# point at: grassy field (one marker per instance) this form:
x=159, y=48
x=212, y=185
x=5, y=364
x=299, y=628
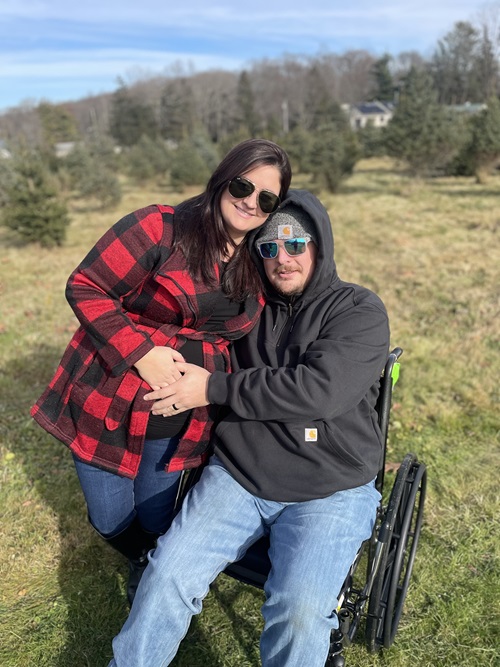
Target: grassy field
x=432, y=251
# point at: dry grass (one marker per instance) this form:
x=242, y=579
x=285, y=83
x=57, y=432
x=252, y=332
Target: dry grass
x=432, y=251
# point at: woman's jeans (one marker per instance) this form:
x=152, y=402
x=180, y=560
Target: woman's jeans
x=113, y=501
x=313, y=545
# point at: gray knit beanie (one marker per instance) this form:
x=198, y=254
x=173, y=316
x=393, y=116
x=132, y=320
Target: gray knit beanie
x=289, y=222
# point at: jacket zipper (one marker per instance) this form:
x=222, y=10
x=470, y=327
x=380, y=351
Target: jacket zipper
x=289, y=316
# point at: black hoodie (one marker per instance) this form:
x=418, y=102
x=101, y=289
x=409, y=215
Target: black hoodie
x=302, y=423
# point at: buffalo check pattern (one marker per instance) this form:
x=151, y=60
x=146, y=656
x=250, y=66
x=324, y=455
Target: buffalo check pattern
x=130, y=293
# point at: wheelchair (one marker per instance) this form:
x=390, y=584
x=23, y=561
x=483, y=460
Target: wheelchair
x=376, y=586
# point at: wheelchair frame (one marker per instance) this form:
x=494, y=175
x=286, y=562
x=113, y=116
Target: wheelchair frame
x=390, y=551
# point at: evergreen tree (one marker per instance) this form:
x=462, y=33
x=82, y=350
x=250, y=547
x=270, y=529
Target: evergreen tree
x=102, y=148
x=461, y=163
x=483, y=149
x=421, y=131
x=100, y=184
x=146, y=160
x=130, y=118
x=7, y=178
x=187, y=166
x=384, y=84
x=232, y=138
x=207, y=149
x=335, y=151
x=486, y=67
x=91, y=174
x=177, y=110
x=58, y=124
x=319, y=105
x=371, y=140
x=75, y=165
x=454, y=63
x=34, y=210
x=298, y=143
x=245, y=100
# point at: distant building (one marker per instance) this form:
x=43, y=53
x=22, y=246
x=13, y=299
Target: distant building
x=378, y=114
x=468, y=107
x=64, y=148
x=374, y=113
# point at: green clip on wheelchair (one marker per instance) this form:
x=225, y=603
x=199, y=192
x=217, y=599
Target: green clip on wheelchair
x=386, y=559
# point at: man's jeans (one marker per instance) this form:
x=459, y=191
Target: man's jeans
x=313, y=544
x=114, y=501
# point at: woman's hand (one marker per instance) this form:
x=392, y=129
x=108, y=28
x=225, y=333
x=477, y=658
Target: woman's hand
x=187, y=393
x=158, y=366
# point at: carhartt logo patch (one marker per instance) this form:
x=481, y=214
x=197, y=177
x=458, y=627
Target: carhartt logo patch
x=285, y=232
x=311, y=435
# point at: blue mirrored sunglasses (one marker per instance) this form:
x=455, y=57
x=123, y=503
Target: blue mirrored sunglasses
x=293, y=247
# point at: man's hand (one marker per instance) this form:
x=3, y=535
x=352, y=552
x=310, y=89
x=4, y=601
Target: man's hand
x=158, y=366
x=187, y=393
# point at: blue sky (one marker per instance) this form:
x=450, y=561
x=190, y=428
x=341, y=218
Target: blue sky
x=59, y=50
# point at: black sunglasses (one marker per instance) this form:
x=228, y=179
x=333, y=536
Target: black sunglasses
x=293, y=247
x=240, y=187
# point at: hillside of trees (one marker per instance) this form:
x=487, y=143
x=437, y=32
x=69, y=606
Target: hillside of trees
x=176, y=127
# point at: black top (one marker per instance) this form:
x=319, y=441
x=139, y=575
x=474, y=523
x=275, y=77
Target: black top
x=192, y=351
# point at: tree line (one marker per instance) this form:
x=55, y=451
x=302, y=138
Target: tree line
x=176, y=128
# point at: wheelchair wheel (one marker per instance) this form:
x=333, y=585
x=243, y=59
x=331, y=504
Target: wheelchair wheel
x=400, y=532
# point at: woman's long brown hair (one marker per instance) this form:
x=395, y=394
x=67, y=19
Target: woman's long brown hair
x=199, y=227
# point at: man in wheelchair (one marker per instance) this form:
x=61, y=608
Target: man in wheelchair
x=295, y=456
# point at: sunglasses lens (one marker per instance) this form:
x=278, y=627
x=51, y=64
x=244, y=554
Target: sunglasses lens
x=295, y=246
x=240, y=188
x=268, y=250
x=268, y=201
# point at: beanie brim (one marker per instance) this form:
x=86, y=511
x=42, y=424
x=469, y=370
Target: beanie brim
x=289, y=222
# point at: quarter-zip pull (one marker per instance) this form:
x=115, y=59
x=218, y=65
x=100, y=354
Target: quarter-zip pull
x=289, y=317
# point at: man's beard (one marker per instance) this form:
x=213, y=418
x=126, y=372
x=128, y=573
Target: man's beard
x=297, y=291
x=294, y=291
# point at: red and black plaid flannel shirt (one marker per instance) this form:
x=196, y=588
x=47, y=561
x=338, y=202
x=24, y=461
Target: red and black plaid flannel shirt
x=131, y=293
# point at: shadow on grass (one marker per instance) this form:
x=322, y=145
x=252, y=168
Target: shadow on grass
x=473, y=191
x=90, y=575
x=11, y=240
x=240, y=602
x=228, y=630
x=388, y=189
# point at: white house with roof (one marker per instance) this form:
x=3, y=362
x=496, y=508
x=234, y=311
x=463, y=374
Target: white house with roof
x=375, y=113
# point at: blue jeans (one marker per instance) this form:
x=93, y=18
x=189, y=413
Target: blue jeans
x=113, y=501
x=313, y=544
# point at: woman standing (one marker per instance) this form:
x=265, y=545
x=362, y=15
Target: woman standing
x=163, y=284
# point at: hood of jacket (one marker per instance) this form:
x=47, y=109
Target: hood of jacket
x=325, y=272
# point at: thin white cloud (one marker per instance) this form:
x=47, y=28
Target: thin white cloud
x=55, y=40
x=317, y=17
x=157, y=10
x=103, y=63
